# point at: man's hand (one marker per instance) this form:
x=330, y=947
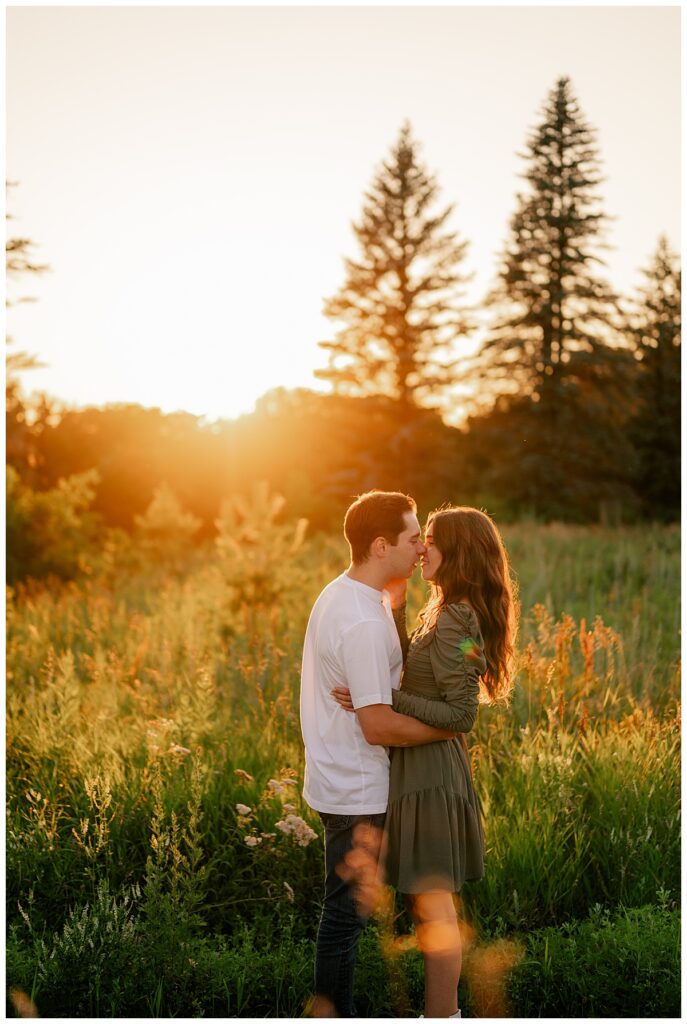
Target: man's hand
x=397, y=590
x=342, y=696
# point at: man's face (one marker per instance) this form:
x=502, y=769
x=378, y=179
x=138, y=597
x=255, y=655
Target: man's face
x=406, y=553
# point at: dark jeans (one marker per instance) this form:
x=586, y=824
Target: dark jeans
x=340, y=924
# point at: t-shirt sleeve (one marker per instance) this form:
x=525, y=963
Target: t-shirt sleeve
x=365, y=659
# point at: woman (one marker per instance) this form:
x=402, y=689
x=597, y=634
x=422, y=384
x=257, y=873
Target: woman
x=464, y=644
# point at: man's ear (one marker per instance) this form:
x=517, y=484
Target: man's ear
x=378, y=547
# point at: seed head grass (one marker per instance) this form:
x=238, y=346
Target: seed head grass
x=155, y=761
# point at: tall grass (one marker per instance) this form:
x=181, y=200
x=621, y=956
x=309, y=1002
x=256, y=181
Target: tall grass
x=143, y=709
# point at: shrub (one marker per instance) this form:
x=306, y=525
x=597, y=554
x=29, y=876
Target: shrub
x=107, y=961
x=256, y=549
x=81, y=970
x=50, y=532
x=626, y=966
x=165, y=530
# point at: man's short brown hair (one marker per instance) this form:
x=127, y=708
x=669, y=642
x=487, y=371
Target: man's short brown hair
x=375, y=514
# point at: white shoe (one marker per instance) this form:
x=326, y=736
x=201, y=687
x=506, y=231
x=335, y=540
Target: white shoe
x=456, y=1014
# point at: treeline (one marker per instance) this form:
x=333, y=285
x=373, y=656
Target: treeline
x=573, y=392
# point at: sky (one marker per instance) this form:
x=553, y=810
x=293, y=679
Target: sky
x=190, y=174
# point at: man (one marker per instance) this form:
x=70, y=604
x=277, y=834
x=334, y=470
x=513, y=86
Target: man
x=351, y=640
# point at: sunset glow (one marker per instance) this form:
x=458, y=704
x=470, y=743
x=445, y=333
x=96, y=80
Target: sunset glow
x=194, y=202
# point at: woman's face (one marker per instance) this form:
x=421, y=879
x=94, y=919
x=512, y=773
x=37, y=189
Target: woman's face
x=431, y=560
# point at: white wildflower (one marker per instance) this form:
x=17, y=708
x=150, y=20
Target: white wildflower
x=299, y=829
x=243, y=809
x=176, y=749
x=243, y=776
x=289, y=807
x=276, y=786
x=252, y=840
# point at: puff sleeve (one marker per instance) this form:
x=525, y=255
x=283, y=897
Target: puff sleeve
x=457, y=661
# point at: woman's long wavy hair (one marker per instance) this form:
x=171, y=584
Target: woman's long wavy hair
x=474, y=568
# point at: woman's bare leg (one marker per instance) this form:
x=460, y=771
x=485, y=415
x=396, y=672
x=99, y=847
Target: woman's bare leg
x=438, y=937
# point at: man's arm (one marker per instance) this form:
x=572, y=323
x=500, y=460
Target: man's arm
x=383, y=726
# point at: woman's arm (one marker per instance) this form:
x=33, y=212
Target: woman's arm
x=457, y=663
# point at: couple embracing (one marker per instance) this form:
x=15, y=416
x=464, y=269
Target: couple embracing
x=383, y=719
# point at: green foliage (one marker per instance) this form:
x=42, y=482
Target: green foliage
x=574, y=465
x=626, y=576
x=175, y=872
x=103, y=964
x=655, y=326
x=603, y=800
x=105, y=936
x=550, y=311
x=50, y=532
x=153, y=741
x=625, y=965
x=555, y=440
x=135, y=450
x=352, y=444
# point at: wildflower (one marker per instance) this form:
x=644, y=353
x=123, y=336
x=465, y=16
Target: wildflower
x=252, y=840
x=176, y=749
x=295, y=826
x=278, y=785
x=242, y=809
x=289, y=807
x=243, y=776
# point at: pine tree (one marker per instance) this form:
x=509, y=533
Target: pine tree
x=553, y=314
x=21, y=434
x=655, y=329
x=400, y=301
x=549, y=345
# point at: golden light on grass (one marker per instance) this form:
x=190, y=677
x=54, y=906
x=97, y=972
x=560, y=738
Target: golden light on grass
x=361, y=868
x=320, y=1006
x=22, y=1004
x=486, y=971
x=142, y=667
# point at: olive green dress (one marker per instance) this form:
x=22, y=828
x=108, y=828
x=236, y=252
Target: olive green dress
x=433, y=822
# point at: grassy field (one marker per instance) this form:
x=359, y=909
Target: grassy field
x=161, y=861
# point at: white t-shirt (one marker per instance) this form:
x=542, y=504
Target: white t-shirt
x=351, y=640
